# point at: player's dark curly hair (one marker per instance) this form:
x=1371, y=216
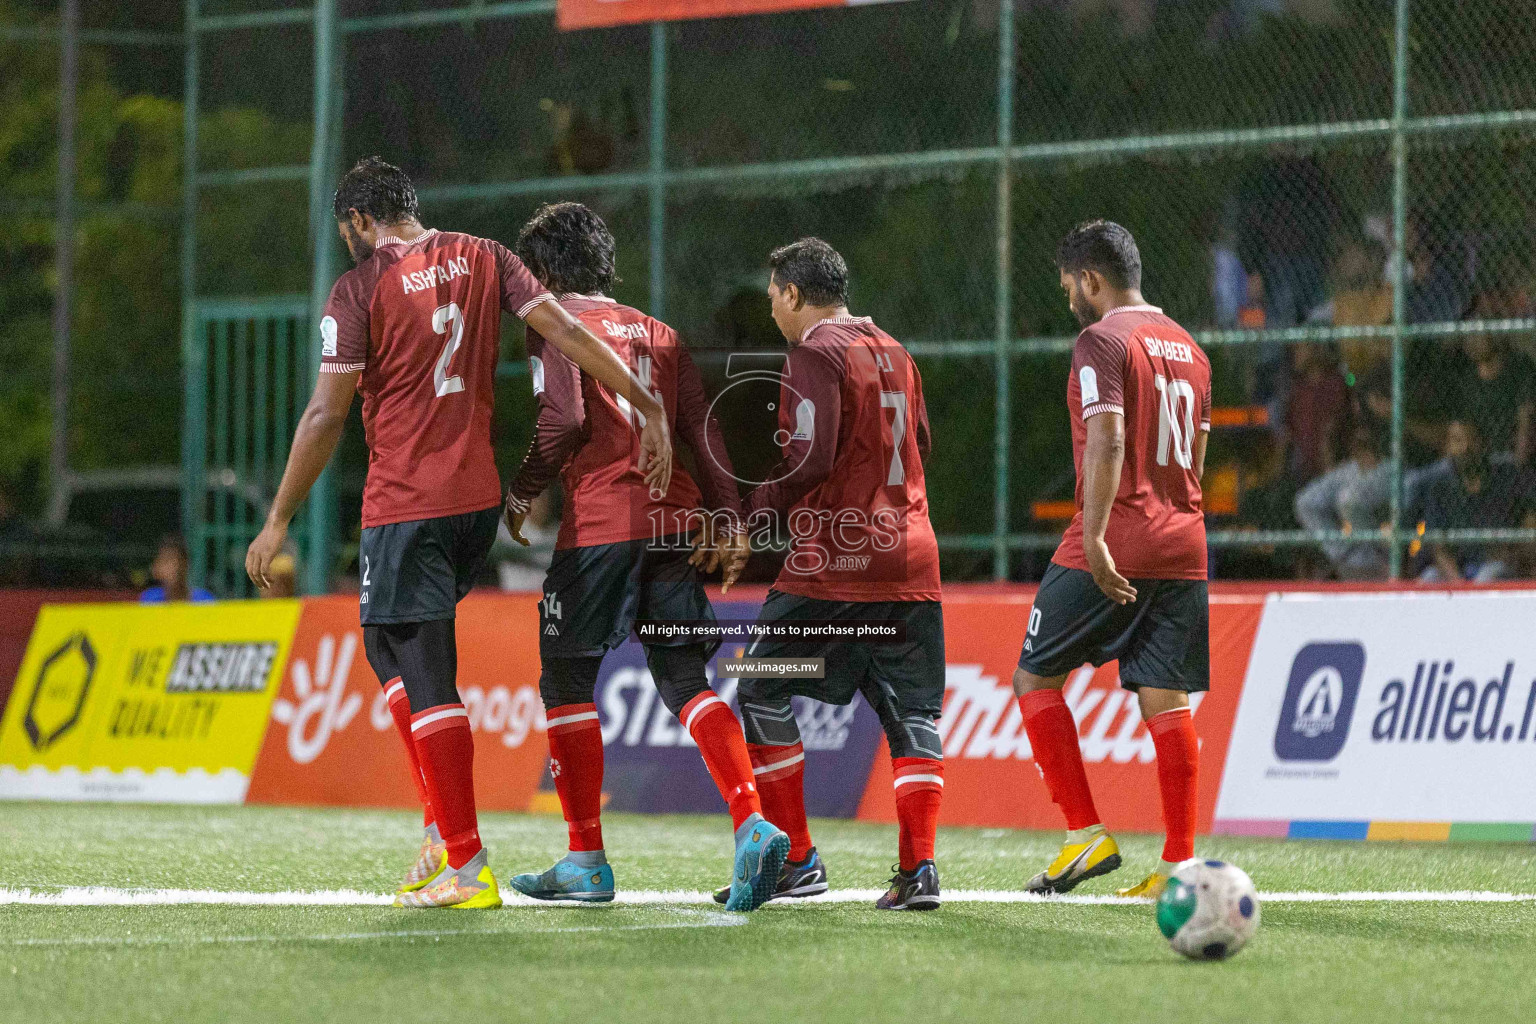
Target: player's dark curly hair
x=381, y=190
x=1104, y=246
x=569, y=249
x=815, y=268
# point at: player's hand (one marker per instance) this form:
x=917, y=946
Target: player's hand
x=1102, y=564
x=258, y=557
x=656, y=455
x=515, y=522
x=734, y=549
x=706, y=551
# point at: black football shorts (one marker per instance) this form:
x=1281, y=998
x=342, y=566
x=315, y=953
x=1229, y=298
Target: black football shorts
x=1162, y=639
x=417, y=571
x=913, y=669
x=595, y=595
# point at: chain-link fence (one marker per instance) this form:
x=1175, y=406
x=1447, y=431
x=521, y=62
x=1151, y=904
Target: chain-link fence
x=1335, y=196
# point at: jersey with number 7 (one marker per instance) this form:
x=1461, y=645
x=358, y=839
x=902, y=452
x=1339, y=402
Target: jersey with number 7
x=1140, y=364
x=853, y=433
x=422, y=321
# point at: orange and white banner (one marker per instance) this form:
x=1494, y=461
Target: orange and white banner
x=990, y=778
x=575, y=14
x=332, y=740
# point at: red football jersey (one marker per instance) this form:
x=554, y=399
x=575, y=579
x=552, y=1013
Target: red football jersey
x=422, y=321
x=1138, y=362
x=850, y=486
x=591, y=436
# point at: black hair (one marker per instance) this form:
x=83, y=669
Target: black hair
x=1104, y=246
x=815, y=268
x=380, y=190
x=569, y=249
x=174, y=542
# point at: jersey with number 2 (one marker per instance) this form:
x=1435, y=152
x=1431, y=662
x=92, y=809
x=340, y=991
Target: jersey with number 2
x=422, y=322
x=1141, y=364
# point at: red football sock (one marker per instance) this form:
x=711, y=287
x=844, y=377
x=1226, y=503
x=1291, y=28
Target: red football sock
x=714, y=728
x=400, y=710
x=1178, y=767
x=919, y=790
x=780, y=774
x=1053, y=737
x=576, y=762
x=446, y=749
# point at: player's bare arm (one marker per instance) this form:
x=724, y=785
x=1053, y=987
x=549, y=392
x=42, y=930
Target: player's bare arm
x=1201, y=437
x=1103, y=457
x=583, y=348
x=314, y=441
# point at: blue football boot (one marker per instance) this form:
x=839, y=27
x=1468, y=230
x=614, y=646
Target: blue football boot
x=568, y=880
x=760, y=852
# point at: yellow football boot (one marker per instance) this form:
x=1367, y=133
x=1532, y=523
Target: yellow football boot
x=1149, y=888
x=1079, y=860
x=471, y=887
x=430, y=862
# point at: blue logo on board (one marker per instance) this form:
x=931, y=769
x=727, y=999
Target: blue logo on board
x=1319, y=702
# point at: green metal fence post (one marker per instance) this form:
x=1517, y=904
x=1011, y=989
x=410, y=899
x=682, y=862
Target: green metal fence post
x=1001, y=362
x=1400, y=276
x=658, y=169
x=193, y=351
x=322, y=233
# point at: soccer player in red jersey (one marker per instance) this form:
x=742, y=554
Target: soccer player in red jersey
x=416, y=327
x=850, y=489
x=623, y=556
x=1128, y=581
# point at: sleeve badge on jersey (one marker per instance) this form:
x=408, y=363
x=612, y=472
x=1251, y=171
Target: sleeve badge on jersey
x=805, y=421
x=536, y=371
x=328, y=337
x=1088, y=380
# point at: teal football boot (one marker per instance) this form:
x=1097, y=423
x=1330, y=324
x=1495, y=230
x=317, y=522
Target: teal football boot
x=569, y=880
x=760, y=852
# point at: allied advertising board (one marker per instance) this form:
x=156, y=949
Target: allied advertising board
x=1399, y=714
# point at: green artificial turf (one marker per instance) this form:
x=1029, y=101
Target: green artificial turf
x=682, y=961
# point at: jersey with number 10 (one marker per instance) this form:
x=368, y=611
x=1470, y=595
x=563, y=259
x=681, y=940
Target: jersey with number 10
x=422, y=321
x=1139, y=363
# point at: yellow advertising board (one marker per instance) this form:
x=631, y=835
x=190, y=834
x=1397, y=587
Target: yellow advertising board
x=164, y=703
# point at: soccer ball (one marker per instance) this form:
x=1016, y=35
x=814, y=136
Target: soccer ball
x=1209, y=909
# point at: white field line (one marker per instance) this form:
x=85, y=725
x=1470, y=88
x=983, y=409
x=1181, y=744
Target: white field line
x=703, y=920
x=101, y=896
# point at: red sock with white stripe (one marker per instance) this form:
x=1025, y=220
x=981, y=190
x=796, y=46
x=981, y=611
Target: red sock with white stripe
x=919, y=791
x=1053, y=737
x=446, y=749
x=400, y=711
x=713, y=726
x=576, y=762
x=780, y=777
x=1178, y=767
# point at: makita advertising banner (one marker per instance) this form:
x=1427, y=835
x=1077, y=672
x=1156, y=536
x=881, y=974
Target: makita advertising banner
x=1368, y=714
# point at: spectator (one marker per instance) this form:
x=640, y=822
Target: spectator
x=1498, y=395
x=1288, y=213
x=1498, y=384
x=1362, y=298
x=1354, y=496
x=170, y=570
x=1315, y=415
x=1473, y=492
x=1437, y=291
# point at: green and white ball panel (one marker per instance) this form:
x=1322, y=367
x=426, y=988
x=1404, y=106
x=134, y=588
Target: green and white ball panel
x=1209, y=910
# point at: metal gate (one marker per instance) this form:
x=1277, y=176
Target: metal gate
x=249, y=375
